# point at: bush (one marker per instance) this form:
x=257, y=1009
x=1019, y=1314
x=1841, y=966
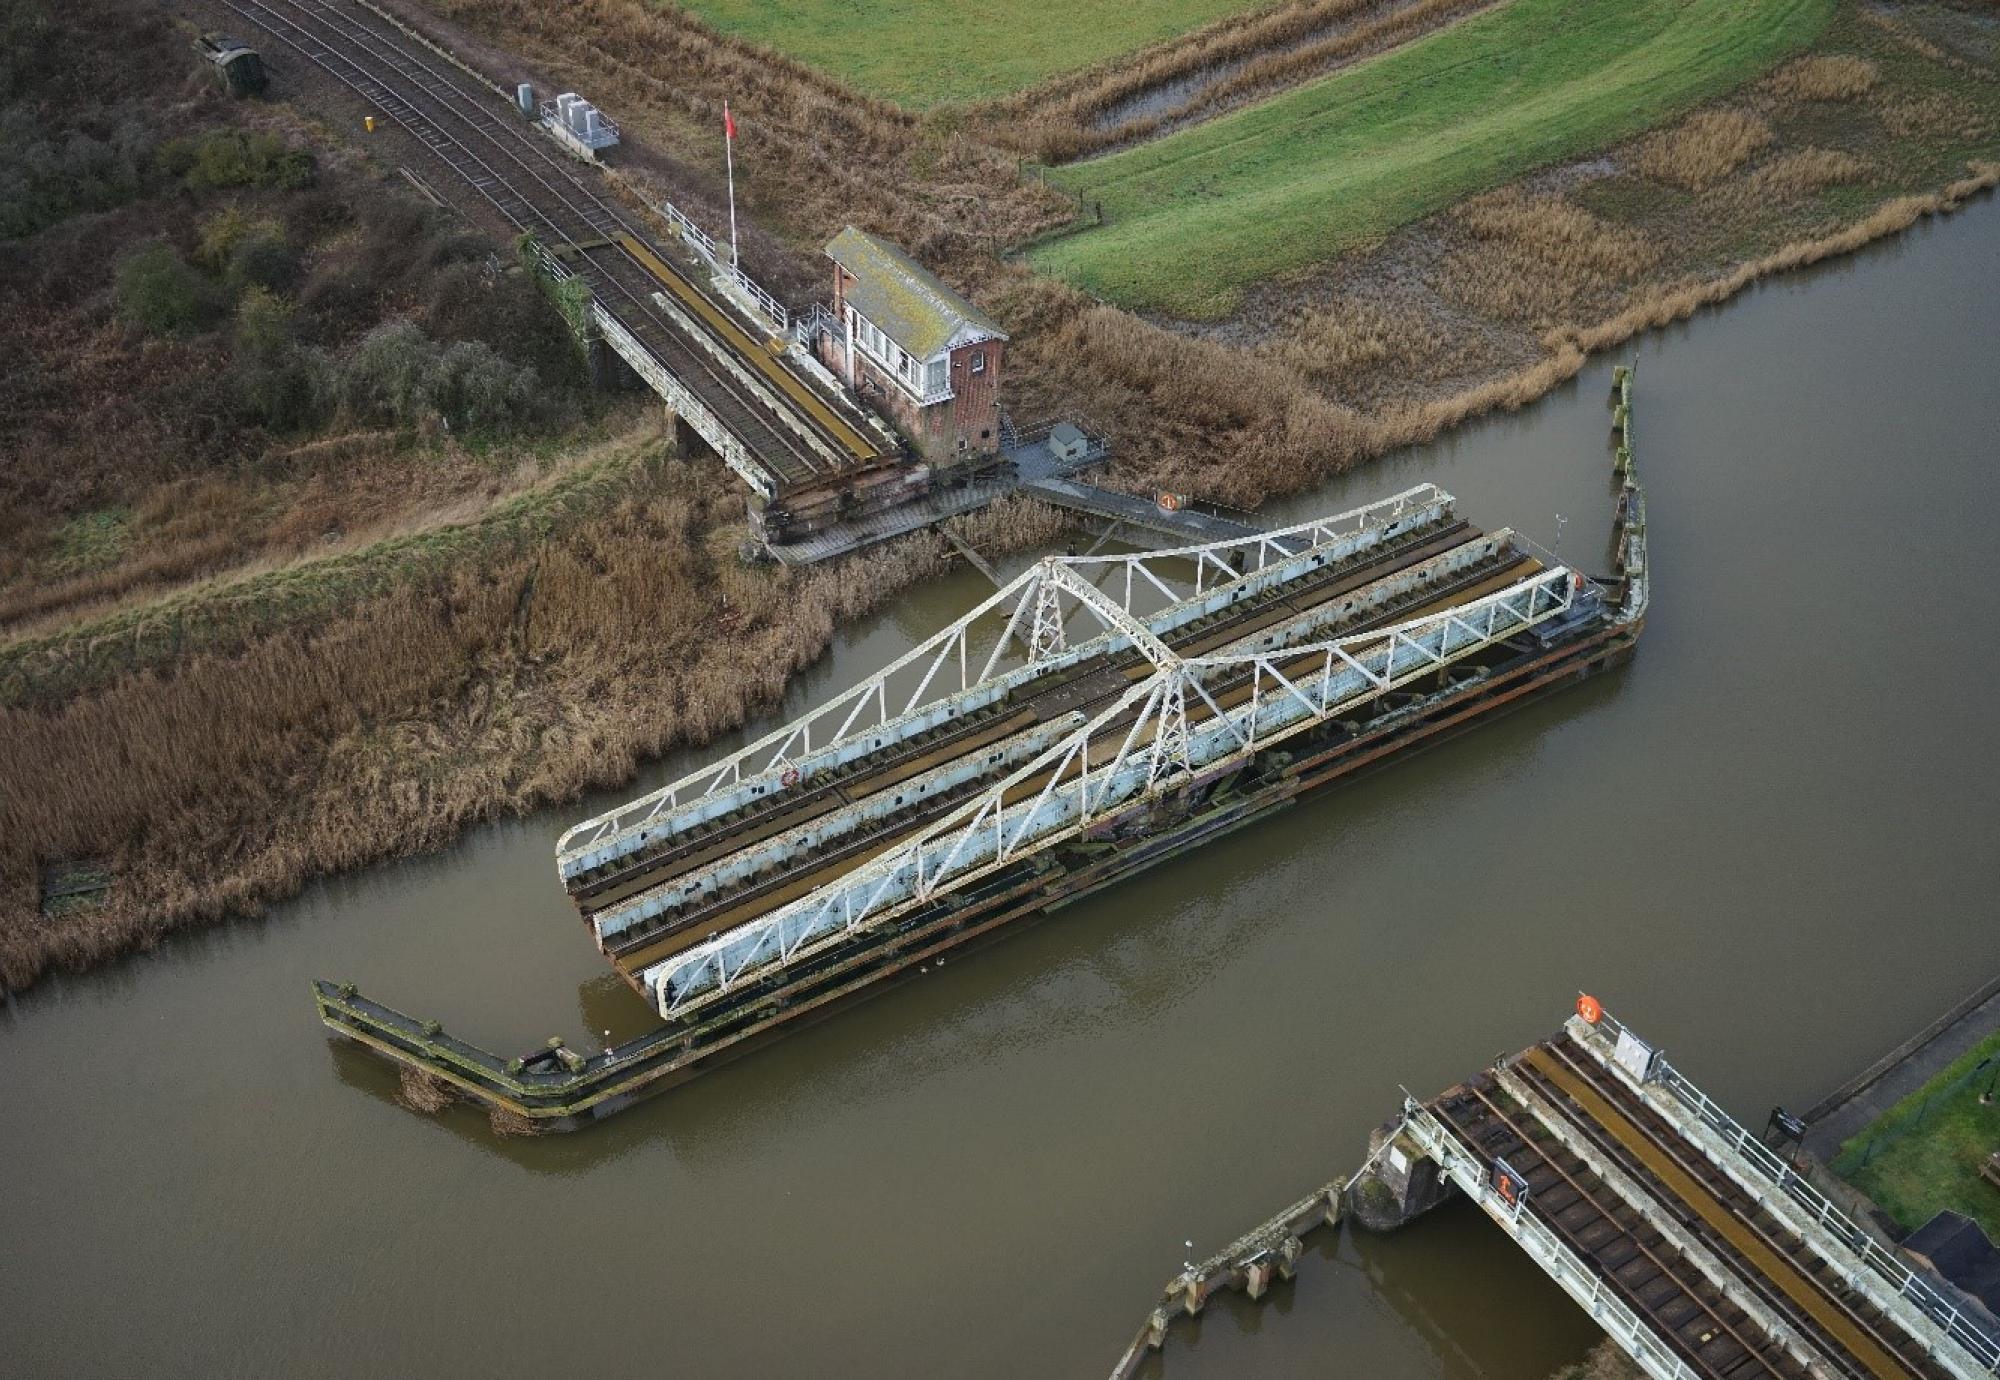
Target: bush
x=47, y=176
x=398, y=374
x=162, y=294
x=247, y=253
x=222, y=158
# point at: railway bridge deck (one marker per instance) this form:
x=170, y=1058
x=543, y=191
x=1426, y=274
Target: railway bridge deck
x=1702, y=1252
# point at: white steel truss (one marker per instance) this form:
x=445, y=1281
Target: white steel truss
x=1145, y=744
x=1021, y=632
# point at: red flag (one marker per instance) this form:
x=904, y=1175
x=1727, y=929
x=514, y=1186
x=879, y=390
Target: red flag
x=728, y=122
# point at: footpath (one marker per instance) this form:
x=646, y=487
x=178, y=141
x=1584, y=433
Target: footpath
x=1900, y=1072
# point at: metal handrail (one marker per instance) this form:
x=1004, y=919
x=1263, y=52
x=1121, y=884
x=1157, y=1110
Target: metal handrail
x=1561, y=1264
x=1909, y=1283
x=704, y=244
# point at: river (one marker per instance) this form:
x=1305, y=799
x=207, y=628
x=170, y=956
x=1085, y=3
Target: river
x=1768, y=844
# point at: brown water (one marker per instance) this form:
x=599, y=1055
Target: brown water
x=1768, y=844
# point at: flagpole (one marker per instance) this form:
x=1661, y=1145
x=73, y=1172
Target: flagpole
x=729, y=155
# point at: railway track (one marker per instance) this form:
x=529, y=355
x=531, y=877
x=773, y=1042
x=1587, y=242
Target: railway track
x=706, y=913
x=524, y=180
x=1511, y=1117
x=593, y=891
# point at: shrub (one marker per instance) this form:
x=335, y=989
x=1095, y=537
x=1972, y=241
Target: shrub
x=263, y=259
x=162, y=294
x=400, y=375
x=222, y=158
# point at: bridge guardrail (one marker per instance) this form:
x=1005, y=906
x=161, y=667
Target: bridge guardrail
x=1982, y=1348
x=1561, y=1264
x=704, y=244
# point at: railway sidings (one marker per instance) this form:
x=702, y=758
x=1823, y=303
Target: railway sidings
x=1093, y=717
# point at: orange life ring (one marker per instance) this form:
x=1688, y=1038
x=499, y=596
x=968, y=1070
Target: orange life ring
x=1170, y=503
x=791, y=776
x=1590, y=1008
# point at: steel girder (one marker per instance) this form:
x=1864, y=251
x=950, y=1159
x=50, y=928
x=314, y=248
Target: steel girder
x=1138, y=749
x=994, y=650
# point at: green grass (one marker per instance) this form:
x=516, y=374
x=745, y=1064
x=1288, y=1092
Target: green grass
x=931, y=52
x=1195, y=218
x=92, y=541
x=1924, y=1153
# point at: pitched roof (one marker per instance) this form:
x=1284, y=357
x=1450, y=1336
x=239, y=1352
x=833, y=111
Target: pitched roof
x=905, y=300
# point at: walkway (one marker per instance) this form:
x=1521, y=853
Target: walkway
x=1855, y=1105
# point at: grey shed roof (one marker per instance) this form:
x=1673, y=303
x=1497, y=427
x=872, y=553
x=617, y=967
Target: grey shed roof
x=905, y=300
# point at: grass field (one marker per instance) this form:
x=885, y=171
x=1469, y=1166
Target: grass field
x=1924, y=1153
x=1193, y=219
x=929, y=52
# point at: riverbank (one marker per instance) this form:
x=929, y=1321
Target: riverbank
x=209, y=776
x=1848, y=1110
x=947, y=1180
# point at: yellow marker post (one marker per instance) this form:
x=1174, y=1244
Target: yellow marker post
x=368, y=123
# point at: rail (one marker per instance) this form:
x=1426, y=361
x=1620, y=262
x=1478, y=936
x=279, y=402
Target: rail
x=867, y=716
x=704, y=244
x=1772, y=1167
x=1465, y=1169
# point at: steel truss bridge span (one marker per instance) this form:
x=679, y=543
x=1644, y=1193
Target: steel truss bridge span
x=1152, y=740
x=1088, y=699
x=963, y=670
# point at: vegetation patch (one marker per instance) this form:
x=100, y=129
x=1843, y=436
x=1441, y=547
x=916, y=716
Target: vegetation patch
x=1195, y=218
x=1924, y=1154
x=928, y=52
x=1216, y=68
x=1704, y=148
x=1824, y=77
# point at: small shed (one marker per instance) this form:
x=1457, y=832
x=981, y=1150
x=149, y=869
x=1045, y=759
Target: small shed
x=924, y=354
x=1955, y=1247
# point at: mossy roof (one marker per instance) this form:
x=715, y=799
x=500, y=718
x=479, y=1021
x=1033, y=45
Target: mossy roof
x=905, y=300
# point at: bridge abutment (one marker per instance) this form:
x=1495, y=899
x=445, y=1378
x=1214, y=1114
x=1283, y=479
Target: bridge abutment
x=1401, y=1182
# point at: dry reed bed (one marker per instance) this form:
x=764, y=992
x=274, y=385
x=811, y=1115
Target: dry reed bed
x=1704, y=148
x=221, y=782
x=1823, y=77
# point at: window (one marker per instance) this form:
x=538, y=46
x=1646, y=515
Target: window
x=938, y=374
x=979, y=361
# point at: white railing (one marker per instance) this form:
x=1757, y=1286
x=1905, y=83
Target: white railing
x=1544, y=1247
x=704, y=244
x=1142, y=744
x=959, y=670
x=816, y=319
x=1982, y=1348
